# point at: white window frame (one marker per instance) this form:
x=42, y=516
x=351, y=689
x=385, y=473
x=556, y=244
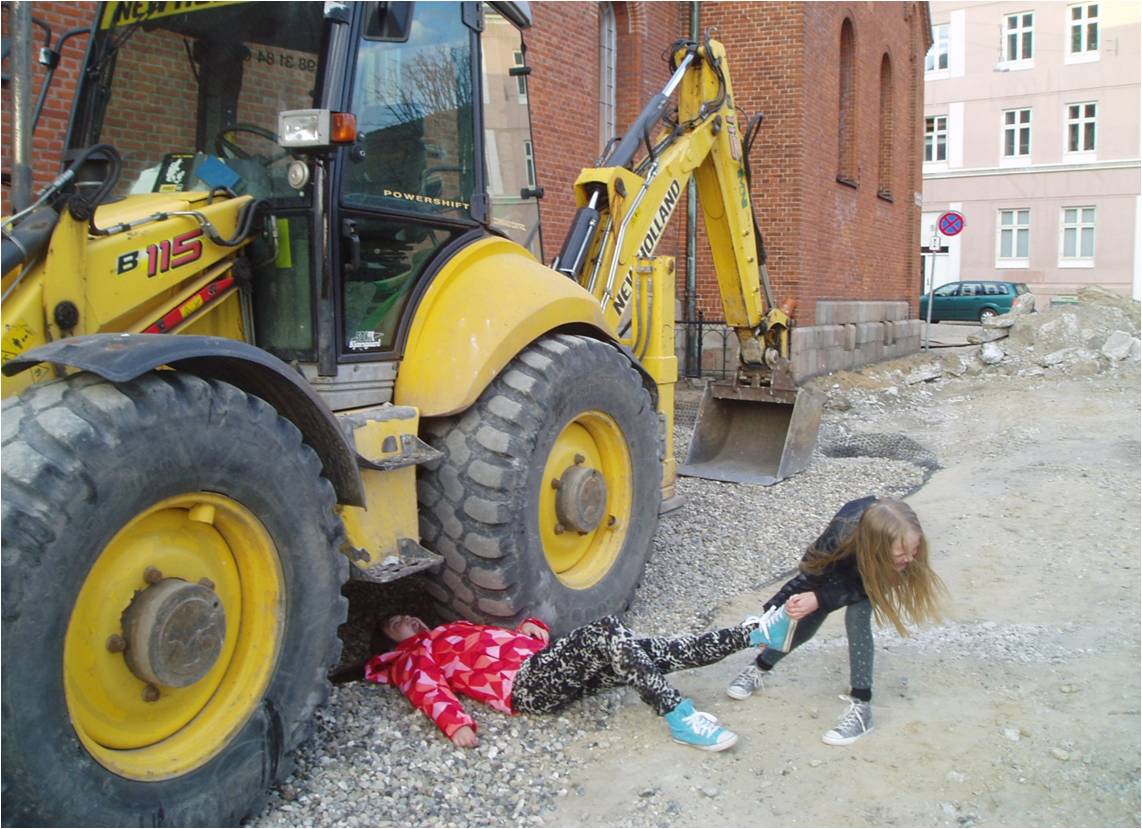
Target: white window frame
x=1080, y=224
x=608, y=83
x=529, y=160
x=1081, y=121
x=520, y=80
x=495, y=173
x=941, y=36
x=935, y=135
x=1020, y=29
x=1086, y=54
x=1016, y=126
x=1013, y=260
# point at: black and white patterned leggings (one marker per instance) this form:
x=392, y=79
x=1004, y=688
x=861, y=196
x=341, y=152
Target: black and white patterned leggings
x=606, y=654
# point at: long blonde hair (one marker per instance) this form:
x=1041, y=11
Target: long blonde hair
x=913, y=594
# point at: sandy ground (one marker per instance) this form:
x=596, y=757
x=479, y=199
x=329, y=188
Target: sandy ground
x=1021, y=710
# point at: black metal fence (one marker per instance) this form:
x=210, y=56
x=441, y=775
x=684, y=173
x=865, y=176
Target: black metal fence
x=708, y=348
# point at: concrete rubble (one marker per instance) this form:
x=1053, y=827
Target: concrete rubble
x=1098, y=333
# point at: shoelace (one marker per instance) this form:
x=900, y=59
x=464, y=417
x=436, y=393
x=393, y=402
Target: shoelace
x=701, y=723
x=750, y=676
x=851, y=718
x=765, y=621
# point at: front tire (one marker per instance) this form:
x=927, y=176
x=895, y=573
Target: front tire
x=171, y=578
x=568, y=412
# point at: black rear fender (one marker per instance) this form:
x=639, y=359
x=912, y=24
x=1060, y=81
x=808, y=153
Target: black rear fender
x=119, y=358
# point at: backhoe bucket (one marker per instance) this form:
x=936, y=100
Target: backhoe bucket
x=753, y=435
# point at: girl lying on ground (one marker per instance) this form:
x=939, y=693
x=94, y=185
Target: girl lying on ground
x=521, y=671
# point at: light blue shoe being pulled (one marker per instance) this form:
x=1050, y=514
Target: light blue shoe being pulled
x=698, y=729
x=774, y=629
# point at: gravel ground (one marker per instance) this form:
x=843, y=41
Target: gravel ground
x=375, y=761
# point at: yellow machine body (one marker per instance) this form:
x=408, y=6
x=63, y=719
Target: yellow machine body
x=128, y=281
x=464, y=331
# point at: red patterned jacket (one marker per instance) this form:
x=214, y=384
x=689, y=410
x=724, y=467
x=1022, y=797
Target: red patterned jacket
x=478, y=661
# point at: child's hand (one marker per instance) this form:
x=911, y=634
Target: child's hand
x=465, y=737
x=801, y=605
x=532, y=629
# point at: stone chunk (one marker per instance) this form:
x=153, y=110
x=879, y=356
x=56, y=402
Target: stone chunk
x=1117, y=345
x=991, y=353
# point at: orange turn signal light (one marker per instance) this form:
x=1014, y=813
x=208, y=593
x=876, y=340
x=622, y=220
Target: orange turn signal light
x=344, y=128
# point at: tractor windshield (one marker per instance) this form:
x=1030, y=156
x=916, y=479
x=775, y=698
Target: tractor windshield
x=189, y=93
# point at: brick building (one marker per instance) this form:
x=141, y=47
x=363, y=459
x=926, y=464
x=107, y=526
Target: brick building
x=837, y=162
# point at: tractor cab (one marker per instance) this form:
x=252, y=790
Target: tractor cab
x=435, y=148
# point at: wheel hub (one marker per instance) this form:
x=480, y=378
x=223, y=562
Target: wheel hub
x=174, y=632
x=581, y=502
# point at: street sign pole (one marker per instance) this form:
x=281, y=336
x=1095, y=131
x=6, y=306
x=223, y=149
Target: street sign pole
x=933, y=248
x=950, y=223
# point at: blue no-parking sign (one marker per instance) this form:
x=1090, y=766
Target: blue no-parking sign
x=951, y=223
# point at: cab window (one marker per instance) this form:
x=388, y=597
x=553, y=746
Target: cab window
x=413, y=102
x=391, y=258
x=512, y=185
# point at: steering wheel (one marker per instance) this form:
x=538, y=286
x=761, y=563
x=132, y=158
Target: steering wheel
x=227, y=149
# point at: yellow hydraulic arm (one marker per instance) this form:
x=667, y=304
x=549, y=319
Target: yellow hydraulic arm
x=757, y=427
x=624, y=208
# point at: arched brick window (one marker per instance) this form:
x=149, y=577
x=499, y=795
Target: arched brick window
x=608, y=86
x=846, y=115
x=884, y=165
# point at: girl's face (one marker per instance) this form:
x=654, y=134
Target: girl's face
x=904, y=549
x=398, y=628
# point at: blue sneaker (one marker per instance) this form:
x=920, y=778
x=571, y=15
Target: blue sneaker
x=698, y=729
x=774, y=629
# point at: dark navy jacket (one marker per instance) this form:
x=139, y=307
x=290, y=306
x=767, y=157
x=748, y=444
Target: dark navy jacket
x=840, y=585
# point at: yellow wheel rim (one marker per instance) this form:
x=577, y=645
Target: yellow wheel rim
x=190, y=537
x=592, y=440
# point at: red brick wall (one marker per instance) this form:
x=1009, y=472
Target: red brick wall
x=563, y=49
x=47, y=146
x=826, y=240
x=859, y=245
x=765, y=55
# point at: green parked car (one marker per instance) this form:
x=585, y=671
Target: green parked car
x=975, y=300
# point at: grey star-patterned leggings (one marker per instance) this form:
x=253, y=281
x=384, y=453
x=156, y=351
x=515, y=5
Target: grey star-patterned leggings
x=607, y=654
x=858, y=628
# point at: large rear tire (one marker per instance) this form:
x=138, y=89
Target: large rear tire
x=546, y=501
x=171, y=597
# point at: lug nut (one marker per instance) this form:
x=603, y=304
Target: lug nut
x=150, y=693
x=579, y=459
x=560, y=529
x=612, y=521
x=207, y=583
x=556, y=483
x=116, y=643
x=152, y=575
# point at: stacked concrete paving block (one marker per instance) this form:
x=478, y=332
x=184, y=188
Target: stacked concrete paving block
x=848, y=334
x=852, y=333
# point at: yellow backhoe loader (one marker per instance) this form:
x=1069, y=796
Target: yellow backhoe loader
x=282, y=317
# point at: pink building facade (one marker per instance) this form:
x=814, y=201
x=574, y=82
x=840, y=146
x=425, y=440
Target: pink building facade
x=1031, y=131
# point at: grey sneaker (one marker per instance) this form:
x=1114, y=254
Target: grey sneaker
x=752, y=678
x=855, y=723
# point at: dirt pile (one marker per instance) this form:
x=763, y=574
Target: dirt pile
x=1091, y=336
x=1097, y=334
